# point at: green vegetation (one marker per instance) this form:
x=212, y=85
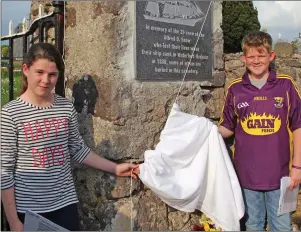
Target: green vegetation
x=4, y=50
x=18, y=64
x=5, y=86
x=239, y=17
x=5, y=82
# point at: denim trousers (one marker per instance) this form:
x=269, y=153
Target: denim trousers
x=262, y=204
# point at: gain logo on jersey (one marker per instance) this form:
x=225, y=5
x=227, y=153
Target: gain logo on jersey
x=261, y=124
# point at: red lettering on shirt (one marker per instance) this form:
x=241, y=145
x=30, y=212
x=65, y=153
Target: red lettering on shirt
x=47, y=126
x=36, y=158
x=52, y=150
x=45, y=156
x=27, y=131
x=57, y=156
x=38, y=130
x=61, y=162
x=56, y=124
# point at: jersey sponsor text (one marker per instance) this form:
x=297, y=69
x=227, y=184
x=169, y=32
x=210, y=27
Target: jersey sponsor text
x=261, y=124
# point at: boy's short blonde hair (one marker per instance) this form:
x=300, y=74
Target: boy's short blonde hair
x=257, y=39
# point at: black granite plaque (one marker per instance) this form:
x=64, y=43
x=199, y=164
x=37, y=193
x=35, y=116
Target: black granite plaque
x=166, y=34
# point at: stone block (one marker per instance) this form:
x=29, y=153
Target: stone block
x=112, y=187
x=219, y=78
x=151, y=213
x=214, y=103
x=293, y=63
x=283, y=49
x=177, y=220
x=233, y=64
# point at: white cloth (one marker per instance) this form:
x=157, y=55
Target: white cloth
x=190, y=169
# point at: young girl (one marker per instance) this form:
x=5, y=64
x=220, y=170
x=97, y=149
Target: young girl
x=39, y=137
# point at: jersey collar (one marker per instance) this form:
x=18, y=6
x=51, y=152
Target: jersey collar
x=246, y=79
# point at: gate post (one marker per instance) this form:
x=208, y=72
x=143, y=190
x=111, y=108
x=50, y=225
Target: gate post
x=11, y=69
x=59, y=42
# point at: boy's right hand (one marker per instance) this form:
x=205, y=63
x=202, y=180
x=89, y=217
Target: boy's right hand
x=16, y=226
x=295, y=175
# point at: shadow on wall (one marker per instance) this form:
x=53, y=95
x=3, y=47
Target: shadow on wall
x=85, y=94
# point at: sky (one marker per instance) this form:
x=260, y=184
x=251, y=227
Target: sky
x=13, y=10
x=282, y=19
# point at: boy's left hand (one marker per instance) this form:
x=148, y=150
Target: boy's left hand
x=295, y=175
x=127, y=169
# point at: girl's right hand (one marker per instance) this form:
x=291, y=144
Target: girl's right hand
x=17, y=226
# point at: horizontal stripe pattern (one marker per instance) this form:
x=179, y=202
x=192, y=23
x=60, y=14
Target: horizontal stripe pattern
x=37, y=145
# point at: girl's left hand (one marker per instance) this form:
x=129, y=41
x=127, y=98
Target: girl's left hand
x=127, y=169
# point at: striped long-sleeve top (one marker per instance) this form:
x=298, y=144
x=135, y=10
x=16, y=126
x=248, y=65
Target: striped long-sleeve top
x=37, y=144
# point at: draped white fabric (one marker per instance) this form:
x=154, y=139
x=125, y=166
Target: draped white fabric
x=190, y=169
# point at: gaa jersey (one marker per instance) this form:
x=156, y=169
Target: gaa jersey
x=262, y=120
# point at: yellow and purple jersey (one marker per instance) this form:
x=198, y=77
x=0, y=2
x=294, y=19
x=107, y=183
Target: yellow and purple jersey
x=263, y=121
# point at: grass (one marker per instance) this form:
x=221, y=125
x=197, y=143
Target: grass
x=5, y=85
x=5, y=82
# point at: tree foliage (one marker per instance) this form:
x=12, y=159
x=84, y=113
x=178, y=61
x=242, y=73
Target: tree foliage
x=239, y=17
x=4, y=50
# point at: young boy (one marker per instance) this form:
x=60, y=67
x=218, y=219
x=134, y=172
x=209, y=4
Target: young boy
x=263, y=110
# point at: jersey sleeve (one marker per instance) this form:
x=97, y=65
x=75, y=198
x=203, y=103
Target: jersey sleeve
x=8, y=149
x=77, y=147
x=295, y=107
x=228, y=116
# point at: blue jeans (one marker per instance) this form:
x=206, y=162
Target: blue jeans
x=260, y=204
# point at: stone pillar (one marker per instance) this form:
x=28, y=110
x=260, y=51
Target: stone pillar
x=121, y=117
